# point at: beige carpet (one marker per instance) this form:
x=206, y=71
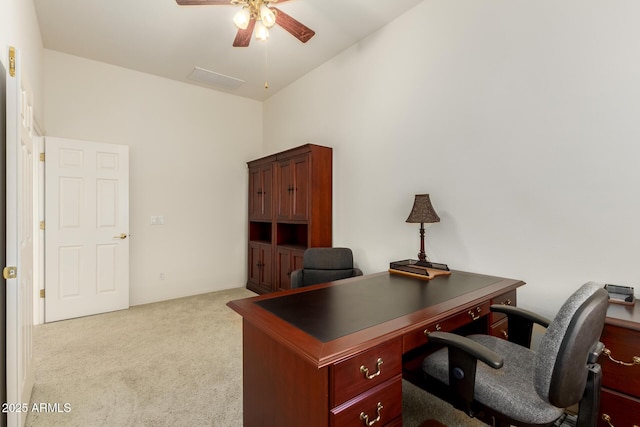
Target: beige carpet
x=173, y=363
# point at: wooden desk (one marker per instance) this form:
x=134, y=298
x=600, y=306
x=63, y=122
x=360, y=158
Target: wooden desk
x=307, y=353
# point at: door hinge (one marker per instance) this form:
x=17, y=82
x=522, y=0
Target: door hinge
x=10, y=272
x=42, y=157
x=41, y=293
x=41, y=225
x=12, y=61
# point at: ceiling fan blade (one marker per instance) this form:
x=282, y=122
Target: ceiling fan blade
x=243, y=37
x=294, y=27
x=203, y=2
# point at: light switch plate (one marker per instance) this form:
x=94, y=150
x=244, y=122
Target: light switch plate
x=157, y=220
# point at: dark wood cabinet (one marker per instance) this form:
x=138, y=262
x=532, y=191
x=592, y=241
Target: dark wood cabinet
x=290, y=210
x=620, y=393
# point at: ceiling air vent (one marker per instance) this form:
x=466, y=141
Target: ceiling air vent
x=214, y=79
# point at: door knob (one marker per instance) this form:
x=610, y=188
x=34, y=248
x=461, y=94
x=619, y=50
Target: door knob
x=121, y=236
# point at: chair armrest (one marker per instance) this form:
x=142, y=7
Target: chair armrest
x=510, y=310
x=296, y=279
x=521, y=323
x=474, y=349
x=463, y=355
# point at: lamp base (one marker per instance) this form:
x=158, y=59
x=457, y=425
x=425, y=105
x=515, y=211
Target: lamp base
x=422, y=263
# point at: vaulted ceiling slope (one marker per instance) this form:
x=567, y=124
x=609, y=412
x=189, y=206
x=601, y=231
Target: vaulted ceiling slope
x=160, y=37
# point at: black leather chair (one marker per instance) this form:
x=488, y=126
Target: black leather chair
x=512, y=384
x=321, y=265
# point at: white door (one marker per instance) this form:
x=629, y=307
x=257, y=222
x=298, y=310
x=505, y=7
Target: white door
x=20, y=225
x=87, y=226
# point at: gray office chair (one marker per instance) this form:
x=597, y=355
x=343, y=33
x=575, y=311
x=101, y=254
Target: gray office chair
x=514, y=385
x=321, y=265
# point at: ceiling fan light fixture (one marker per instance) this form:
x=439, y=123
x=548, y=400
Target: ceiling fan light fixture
x=267, y=16
x=242, y=18
x=262, y=33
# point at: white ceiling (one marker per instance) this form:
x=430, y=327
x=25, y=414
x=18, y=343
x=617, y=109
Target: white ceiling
x=161, y=38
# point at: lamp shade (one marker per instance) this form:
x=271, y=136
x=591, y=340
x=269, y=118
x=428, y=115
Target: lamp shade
x=262, y=33
x=423, y=211
x=242, y=18
x=267, y=16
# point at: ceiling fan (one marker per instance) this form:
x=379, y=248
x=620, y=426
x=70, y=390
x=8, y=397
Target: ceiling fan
x=257, y=13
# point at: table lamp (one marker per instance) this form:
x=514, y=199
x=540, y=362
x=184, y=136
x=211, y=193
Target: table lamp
x=422, y=213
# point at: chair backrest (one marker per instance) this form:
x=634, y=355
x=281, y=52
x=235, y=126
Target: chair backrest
x=561, y=359
x=326, y=264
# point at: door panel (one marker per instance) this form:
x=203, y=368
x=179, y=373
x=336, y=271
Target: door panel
x=3, y=239
x=285, y=188
x=283, y=269
x=300, y=205
x=260, y=192
x=87, y=212
x=19, y=242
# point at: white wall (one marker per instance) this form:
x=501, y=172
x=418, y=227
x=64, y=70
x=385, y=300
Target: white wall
x=521, y=119
x=188, y=151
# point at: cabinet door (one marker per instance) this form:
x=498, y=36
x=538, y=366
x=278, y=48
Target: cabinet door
x=260, y=266
x=283, y=269
x=285, y=189
x=293, y=188
x=287, y=260
x=296, y=259
x=300, y=202
x=266, y=275
x=260, y=187
x=254, y=263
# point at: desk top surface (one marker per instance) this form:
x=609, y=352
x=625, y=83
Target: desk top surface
x=327, y=322
x=333, y=312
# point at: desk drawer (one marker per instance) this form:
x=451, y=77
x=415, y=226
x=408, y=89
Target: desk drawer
x=384, y=401
x=365, y=370
x=621, y=410
x=417, y=337
x=508, y=298
x=500, y=329
x=624, y=345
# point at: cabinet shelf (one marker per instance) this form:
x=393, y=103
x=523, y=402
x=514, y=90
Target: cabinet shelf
x=260, y=231
x=292, y=234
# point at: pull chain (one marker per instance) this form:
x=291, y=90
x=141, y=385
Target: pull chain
x=266, y=67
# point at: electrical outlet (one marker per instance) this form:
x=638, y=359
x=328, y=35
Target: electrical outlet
x=157, y=220
x=162, y=276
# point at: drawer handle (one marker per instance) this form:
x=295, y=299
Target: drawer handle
x=365, y=370
x=607, y=419
x=507, y=302
x=635, y=359
x=473, y=315
x=438, y=328
x=365, y=418
x=505, y=334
